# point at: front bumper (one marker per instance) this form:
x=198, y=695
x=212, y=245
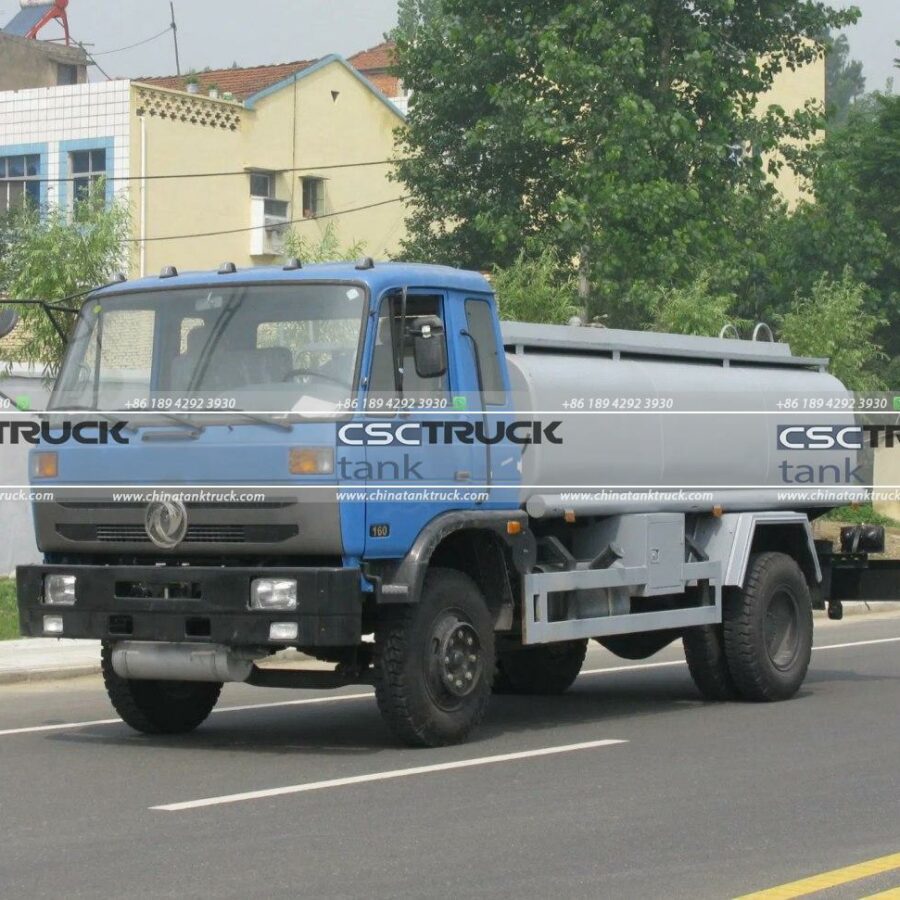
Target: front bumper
x=193, y=603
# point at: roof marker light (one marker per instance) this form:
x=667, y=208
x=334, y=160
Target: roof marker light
x=292, y=264
x=365, y=263
x=168, y=272
x=120, y=277
x=227, y=268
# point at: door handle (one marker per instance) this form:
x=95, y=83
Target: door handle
x=462, y=475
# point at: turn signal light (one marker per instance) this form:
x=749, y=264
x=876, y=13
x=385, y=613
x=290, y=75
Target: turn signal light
x=44, y=465
x=311, y=461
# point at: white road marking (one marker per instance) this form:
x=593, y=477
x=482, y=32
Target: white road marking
x=341, y=697
x=223, y=709
x=383, y=776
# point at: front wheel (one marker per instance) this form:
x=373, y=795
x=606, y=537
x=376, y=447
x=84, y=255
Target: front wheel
x=434, y=661
x=158, y=707
x=768, y=629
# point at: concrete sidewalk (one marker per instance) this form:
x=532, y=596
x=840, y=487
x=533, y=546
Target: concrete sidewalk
x=35, y=659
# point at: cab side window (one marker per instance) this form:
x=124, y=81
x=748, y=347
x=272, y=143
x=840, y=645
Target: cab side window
x=387, y=338
x=480, y=322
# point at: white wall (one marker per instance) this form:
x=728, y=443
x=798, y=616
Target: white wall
x=47, y=118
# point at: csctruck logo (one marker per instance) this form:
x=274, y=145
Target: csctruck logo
x=100, y=433
x=415, y=434
x=820, y=437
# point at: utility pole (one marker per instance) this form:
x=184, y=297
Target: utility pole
x=175, y=37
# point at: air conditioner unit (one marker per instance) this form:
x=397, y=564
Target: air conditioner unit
x=270, y=220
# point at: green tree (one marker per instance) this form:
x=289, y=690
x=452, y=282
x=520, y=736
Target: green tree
x=412, y=15
x=47, y=256
x=695, y=308
x=325, y=248
x=844, y=79
x=626, y=135
x=833, y=321
x=536, y=288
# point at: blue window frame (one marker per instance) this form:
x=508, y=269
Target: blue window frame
x=20, y=181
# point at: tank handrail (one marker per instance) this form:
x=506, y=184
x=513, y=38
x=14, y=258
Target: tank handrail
x=729, y=327
x=762, y=327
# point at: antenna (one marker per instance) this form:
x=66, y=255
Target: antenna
x=175, y=37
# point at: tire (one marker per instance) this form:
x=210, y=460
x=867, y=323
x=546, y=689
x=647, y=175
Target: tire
x=638, y=646
x=704, y=649
x=429, y=689
x=158, y=707
x=548, y=669
x=768, y=629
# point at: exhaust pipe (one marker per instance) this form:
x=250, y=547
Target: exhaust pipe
x=182, y=662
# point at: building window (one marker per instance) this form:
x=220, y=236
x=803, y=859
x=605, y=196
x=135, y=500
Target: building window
x=88, y=171
x=66, y=75
x=313, y=197
x=262, y=184
x=19, y=182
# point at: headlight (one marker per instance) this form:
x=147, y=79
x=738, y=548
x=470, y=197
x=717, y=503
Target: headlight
x=273, y=593
x=59, y=590
x=311, y=461
x=44, y=465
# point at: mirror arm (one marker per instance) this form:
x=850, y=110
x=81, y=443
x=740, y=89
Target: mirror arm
x=49, y=309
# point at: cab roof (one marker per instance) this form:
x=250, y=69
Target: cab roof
x=379, y=277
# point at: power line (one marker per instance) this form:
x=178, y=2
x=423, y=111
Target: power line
x=155, y=37
x=225, y=174
x=204, y=234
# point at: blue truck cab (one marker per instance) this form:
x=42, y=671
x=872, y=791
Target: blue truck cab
x=286, y=464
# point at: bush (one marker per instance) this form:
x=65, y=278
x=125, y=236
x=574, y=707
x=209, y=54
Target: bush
x=833, y=322
x=536, y=288
x=696, y=308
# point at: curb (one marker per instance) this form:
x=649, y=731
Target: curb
x=23, y=676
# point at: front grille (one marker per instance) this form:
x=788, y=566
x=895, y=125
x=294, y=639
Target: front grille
x=196, y=534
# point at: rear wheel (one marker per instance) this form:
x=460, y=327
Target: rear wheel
x=158, y=707
x=768, y=629
x=434, y=661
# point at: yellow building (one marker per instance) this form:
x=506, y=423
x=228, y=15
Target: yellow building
x=216, y=167
x=312, y=140
x=792, y=90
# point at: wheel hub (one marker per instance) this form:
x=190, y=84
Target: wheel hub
x=459, y=660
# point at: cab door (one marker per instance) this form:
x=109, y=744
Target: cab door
x=417, y=465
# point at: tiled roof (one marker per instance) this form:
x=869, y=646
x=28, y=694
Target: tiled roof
x=375, y=64
x=242, y=83
x=379, y=57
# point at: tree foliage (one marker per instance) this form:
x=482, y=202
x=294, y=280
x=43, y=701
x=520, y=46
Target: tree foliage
x=833, y=321
x=617, y=133
x=695, y=308
x=47, y=256
x=325, y=248
x=536, y=288
x=844, y=80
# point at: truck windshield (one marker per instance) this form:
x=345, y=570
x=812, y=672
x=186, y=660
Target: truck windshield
x=275, y=348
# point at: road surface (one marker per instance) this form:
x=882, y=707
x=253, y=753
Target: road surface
x=627, y=786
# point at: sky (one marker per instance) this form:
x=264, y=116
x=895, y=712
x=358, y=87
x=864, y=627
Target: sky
x=217, y=33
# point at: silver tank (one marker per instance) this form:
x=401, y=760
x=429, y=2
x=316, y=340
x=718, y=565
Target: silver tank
x=644, y=412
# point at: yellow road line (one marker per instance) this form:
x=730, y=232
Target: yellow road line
x=827, y=880
x=889, y=894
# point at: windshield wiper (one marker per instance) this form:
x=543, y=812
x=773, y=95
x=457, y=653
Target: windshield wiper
x=263, y=420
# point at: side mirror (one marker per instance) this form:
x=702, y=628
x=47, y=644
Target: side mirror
x=9, y=318
x=429, y=349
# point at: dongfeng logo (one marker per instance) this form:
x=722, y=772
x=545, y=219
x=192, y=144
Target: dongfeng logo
x=166, y=523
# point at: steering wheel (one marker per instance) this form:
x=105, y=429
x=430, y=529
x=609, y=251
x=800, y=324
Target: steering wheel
x=312, y=373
